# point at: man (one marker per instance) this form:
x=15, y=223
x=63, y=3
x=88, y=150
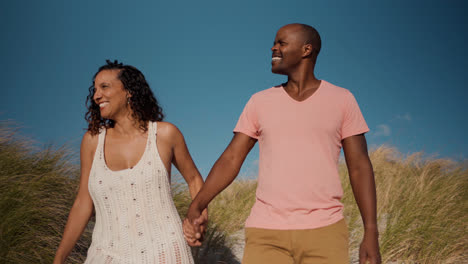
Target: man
x=301, y=127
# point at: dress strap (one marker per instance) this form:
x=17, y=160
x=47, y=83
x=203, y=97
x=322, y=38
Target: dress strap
x=101, y=139
x=155, y=127
x=154, y=136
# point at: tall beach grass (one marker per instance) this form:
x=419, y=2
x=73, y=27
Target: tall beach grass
x=422, y=206
x=37, y=188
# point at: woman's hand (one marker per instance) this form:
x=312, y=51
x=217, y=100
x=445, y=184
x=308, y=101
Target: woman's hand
x=195, y=227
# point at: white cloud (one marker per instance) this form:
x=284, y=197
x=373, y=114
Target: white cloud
x=406, y=117
x=382, y=130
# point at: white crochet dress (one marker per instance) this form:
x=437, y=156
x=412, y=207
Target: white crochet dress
x=136, y=220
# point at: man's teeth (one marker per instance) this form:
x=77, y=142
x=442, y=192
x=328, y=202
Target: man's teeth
x=103, y=104
x=276, y=58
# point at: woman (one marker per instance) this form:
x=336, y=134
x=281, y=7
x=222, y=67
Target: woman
x=126, y=157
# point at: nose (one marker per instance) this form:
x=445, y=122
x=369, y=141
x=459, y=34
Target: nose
x=275, y=47
x=97, y=95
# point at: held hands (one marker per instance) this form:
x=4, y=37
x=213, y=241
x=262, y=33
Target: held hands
x=369, y=250
x=194, y=226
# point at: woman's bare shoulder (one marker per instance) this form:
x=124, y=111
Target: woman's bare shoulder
x=89, y=142
x=167, y=129
x=169, y=132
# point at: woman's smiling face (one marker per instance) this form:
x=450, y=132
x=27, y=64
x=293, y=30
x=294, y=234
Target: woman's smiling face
x=110, y=94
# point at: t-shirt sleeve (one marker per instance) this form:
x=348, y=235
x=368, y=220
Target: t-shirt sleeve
x=247, y=123
x=353, y=121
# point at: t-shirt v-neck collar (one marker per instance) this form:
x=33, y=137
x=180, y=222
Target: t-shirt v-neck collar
x=320, y=87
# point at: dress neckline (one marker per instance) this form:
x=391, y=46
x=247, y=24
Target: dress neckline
x=139, y=161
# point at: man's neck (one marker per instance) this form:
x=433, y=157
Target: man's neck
x=301, y=82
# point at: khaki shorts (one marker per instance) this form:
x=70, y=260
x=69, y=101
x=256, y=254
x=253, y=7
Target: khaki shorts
x=327, y=245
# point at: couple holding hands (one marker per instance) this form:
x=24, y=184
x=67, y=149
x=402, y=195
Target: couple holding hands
x=301, y=126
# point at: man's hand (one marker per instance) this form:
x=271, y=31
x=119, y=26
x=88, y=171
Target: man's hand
x=190, y=234
x=194, y=226
x=369, y=249
x=224, y=171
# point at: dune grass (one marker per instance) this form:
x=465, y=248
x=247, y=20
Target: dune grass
x=227, y=214
x=37, y=187
x=422, y=206
x=37, y=190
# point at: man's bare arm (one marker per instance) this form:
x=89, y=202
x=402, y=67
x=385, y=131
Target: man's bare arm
x=362, y=180
x=224, y=171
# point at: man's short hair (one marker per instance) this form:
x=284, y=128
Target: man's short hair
x=311, y=36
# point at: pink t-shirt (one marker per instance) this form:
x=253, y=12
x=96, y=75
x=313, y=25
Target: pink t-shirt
x=300, y=143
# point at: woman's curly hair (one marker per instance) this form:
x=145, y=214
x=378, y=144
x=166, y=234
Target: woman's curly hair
x=144, y=105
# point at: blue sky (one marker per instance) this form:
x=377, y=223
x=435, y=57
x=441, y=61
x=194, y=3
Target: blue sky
x=405, y=62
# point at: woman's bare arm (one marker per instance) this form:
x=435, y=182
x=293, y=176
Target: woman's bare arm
x=183, y=162
x=82, y=208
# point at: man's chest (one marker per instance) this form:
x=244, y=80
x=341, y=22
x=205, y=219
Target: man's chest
x=300, y=120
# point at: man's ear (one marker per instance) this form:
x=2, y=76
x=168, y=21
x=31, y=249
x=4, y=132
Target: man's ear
x=307, y=50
